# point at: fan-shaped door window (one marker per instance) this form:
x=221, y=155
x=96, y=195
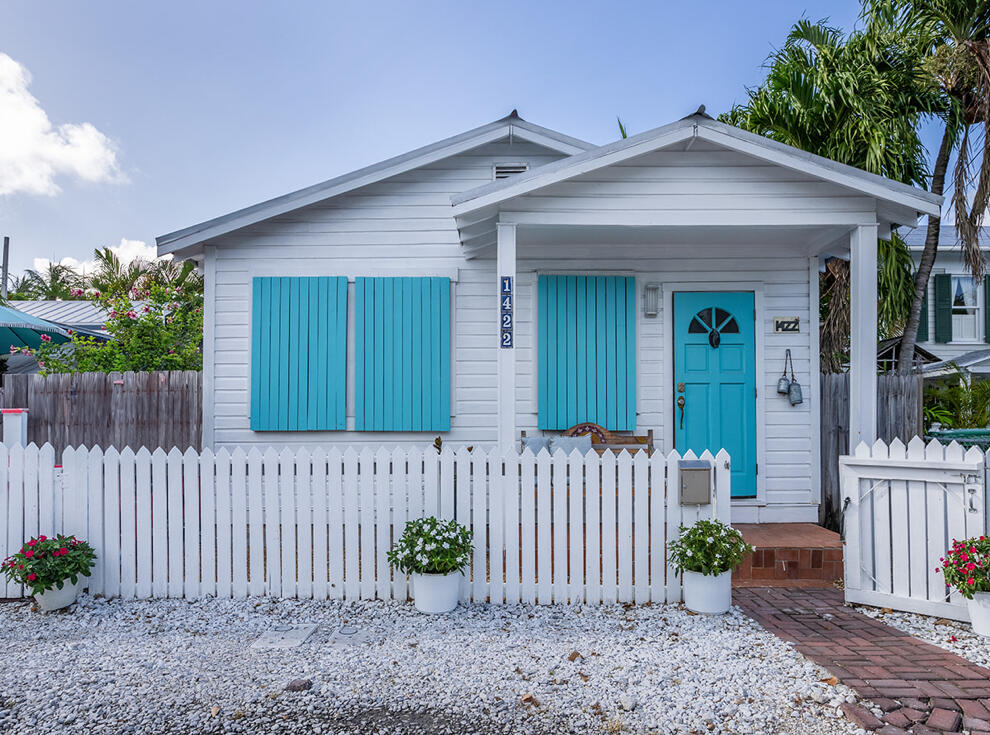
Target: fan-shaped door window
x=715, y=322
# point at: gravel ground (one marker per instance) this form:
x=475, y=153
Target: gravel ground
x=948, y=634
x=178, y=667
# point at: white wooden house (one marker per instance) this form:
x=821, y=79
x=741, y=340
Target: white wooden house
x=955, y=322
x=677, y=266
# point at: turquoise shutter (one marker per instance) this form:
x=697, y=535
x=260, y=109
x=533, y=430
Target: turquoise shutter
x=298, y=354
x=402, y=354
x=943, y=307
x=923, y=319
x=586, y=351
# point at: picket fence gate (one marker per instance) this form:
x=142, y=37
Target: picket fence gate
x=904, y=505
x=562, y=528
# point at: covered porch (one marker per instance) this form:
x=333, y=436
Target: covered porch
x=700, y=221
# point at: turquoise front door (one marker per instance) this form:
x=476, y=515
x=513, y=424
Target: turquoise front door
x=715, y=380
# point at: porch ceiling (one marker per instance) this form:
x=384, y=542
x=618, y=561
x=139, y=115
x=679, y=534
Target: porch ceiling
x=742, y=240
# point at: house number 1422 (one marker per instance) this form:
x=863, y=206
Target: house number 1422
x=505, y=297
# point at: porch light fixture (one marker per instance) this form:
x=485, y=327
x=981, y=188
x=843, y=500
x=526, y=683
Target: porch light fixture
x=651, y=299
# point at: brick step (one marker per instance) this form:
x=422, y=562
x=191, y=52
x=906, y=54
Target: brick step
x=789, y=555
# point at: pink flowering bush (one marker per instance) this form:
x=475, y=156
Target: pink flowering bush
x=966, y=566
x=45, y=563
x=165, y=332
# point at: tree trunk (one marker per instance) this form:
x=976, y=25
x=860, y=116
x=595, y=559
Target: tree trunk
x=910, y=338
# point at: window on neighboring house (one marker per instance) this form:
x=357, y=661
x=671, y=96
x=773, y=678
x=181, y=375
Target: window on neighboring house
x=965, y=309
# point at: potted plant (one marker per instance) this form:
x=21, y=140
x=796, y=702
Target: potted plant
x=706, y=553
x=52, y=568
x=433, y=552
x=966, y=567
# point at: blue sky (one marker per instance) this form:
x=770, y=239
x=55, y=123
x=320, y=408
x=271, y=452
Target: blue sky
x=197, y=109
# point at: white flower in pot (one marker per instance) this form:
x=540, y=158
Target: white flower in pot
x=51, y=568
x=433, y=553
x=966, y=567
x=707, y=553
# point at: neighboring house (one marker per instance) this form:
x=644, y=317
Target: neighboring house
x=514, y=278
x=955, y=314
x=80, y=316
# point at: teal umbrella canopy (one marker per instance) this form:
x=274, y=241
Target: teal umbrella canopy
x=18, y=329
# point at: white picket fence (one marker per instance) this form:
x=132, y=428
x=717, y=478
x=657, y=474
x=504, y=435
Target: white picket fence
x=904, y=505
x=577, y=529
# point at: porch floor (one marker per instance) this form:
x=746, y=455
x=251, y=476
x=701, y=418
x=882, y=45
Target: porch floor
x=789, y=555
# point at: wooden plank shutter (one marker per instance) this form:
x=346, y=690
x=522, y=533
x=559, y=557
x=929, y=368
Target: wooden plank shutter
x=298, y=353
x=402, y=354
x=943, y=307
x=586, y=351
x=923, y=318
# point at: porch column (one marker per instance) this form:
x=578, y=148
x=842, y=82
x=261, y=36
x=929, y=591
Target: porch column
x=863, y=335
x=505, y=272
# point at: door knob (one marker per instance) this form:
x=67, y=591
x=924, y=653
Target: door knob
x=680, y=405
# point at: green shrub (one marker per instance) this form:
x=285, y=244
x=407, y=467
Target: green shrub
x=45, y=563
x=429, y=546
x=708, y=547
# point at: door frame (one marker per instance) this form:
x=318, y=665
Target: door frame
x=668, y=287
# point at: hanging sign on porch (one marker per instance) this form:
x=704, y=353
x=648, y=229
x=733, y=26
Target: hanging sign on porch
x=787, y=324
x=505, y=297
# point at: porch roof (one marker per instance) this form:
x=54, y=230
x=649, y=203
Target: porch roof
x=476, y=210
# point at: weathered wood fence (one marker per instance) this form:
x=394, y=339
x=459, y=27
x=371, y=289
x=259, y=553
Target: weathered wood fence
x=162, y=409
x=899, y=416
x=906, y=505
x=563, y=528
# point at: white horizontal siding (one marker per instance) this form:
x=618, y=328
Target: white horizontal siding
x=404, y=225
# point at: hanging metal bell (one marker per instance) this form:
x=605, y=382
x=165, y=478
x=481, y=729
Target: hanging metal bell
x=783, y=385
x=794, y=393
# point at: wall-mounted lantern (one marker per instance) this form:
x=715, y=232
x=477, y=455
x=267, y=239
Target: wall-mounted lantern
x=651, y=299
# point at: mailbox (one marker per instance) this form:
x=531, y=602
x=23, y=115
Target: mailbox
x=696, y=481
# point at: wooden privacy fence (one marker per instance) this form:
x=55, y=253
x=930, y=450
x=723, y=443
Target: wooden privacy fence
x=578, y=529
x=899, y=416
x=162, y=409
x=906, y=504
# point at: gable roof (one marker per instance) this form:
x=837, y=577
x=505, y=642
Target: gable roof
x=948, y=236
x=510, y=125
x=699, y=125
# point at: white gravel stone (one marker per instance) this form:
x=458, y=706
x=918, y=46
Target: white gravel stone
x=170, y=666
x=938, y=631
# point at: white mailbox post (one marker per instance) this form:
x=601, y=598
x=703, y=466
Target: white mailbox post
x=15, y=426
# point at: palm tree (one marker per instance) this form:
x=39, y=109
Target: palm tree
x=54, y=281
x=113, y=276
x=168, y=272
x=951, y=38
x=856, y=99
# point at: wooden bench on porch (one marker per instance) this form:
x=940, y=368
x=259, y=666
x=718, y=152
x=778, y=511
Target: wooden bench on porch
x=603, y=440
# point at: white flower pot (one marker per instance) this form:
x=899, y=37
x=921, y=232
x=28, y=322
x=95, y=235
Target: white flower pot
x=708, y=594
x=56, y=599
x=436, y=593
x=979, y=612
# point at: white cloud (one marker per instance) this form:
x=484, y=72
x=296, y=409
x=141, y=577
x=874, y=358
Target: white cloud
x=127, y=251
x=33, y=152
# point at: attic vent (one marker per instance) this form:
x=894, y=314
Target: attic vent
x=505, y=170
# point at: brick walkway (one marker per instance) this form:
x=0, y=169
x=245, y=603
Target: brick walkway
x=921, y=688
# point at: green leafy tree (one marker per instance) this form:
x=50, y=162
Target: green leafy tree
x=858, y=99
x=164, y=332
x=952, y=51
x=54, y=281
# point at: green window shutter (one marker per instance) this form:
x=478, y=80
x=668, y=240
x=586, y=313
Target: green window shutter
x=923, y=320
x=298, y=353
x=943, y=307
x=402, y=354
x=586, y=351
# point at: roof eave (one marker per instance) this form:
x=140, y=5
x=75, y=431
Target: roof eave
x=910, y=198
x=192, y=236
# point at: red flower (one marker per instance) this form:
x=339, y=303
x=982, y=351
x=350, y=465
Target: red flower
x=29, y=554
x=970, y=581
x=42, y=537
x=32, y=542
x=32, y=577
x=952, y=638
x=63, y=551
